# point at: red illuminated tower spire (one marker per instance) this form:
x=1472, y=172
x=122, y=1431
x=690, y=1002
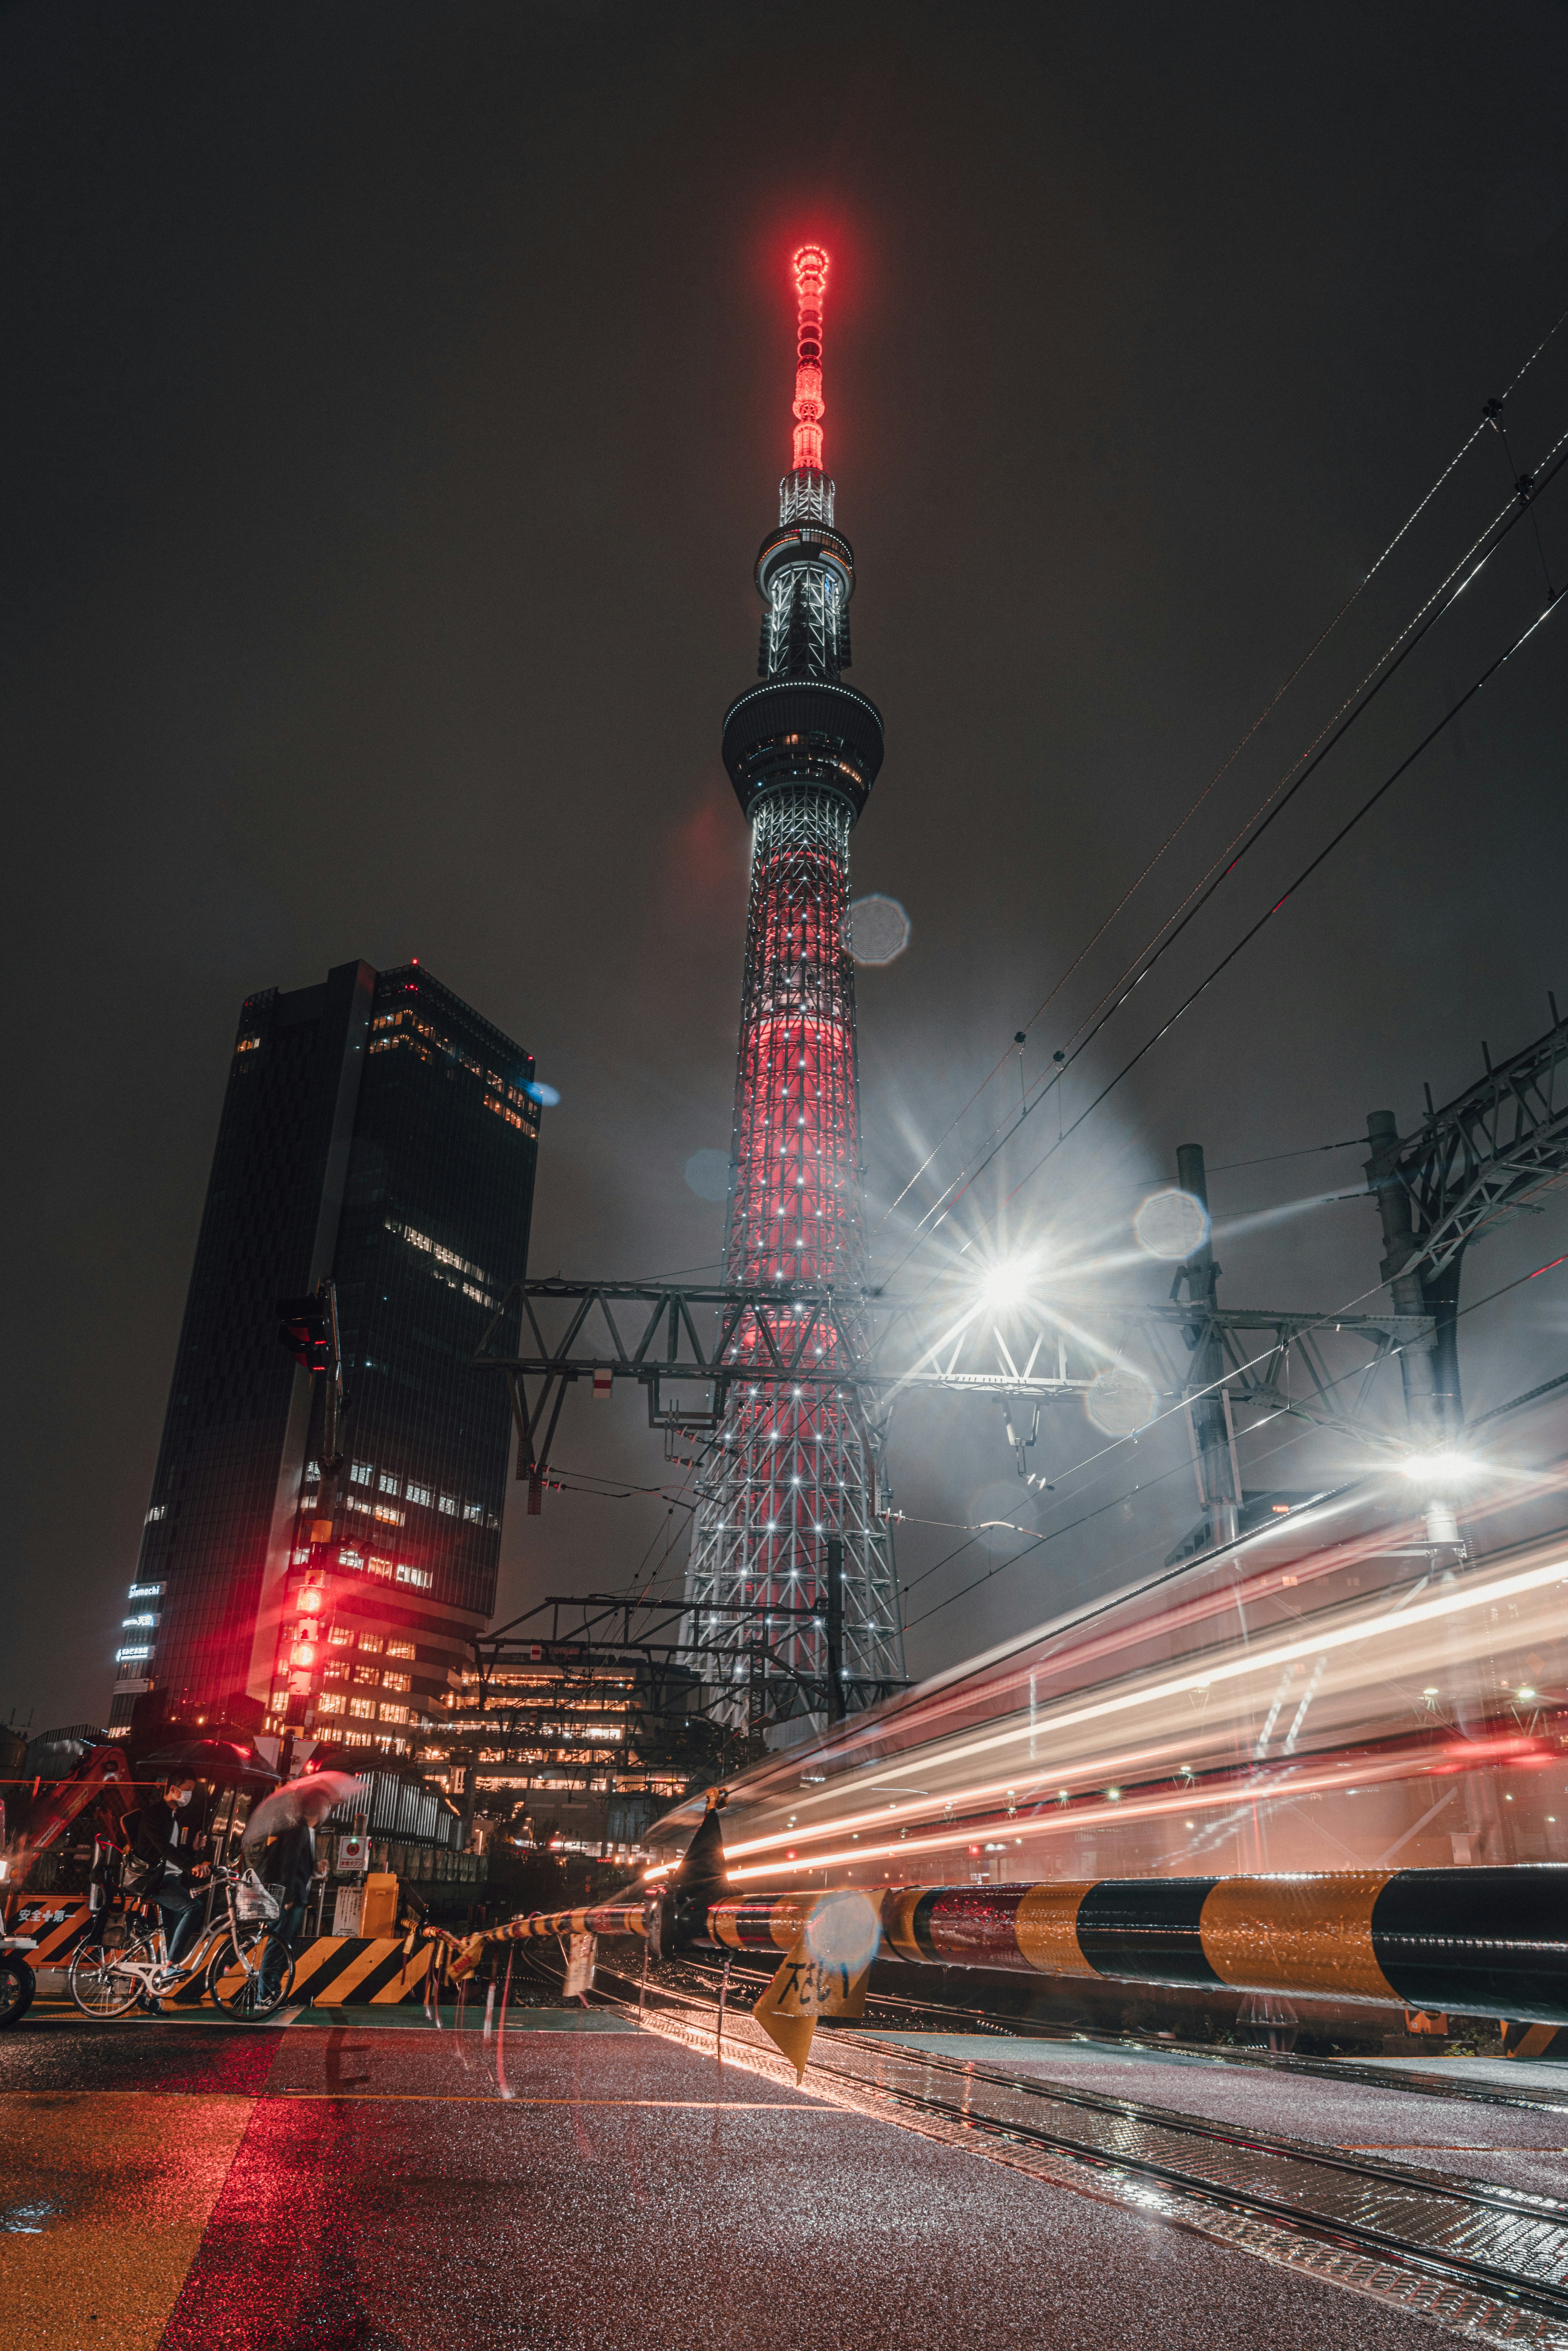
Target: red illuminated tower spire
x=811, y=287
x=794, y=1474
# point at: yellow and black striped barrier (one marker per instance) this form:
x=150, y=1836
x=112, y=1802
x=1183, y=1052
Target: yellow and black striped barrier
x=57, y=1922
x=336, y=1972
x=1473, y=1942
x=1489, y=1942
x=607, y=1919
x=1481, y=1942
x=331, y=1971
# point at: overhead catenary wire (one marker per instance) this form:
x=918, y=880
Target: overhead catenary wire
x=1490, y=415
x=1305, y=1151
x=1273, y=805
x=976, y=1532
x=1005, y=1137
x=1256, y=824
x=1326, y=1320
x=1306, y=872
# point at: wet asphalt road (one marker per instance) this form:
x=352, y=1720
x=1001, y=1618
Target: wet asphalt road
x=208, y=2188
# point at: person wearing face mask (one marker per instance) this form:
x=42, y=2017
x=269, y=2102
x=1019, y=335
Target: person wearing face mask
x=164, y=1840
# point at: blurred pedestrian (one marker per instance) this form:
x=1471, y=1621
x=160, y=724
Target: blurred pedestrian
x=286, y=1863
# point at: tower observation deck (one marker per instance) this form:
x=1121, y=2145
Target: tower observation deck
x=787, y=1505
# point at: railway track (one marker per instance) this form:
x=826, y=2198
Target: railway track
x=934, y=2016
x=1486, y=2261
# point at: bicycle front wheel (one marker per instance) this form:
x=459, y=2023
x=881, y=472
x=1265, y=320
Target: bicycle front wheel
x=251, y=1974
x=100, y=1981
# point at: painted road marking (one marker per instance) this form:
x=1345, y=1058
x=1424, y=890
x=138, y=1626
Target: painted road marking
x=513, y=2099
x=448, y=2099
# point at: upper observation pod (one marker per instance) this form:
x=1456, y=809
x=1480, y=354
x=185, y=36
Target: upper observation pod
x=802, y=728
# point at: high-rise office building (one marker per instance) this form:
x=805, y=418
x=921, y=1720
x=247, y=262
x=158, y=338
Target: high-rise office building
x=377, y=1130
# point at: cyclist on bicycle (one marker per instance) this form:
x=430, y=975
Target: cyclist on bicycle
x=163, y=1839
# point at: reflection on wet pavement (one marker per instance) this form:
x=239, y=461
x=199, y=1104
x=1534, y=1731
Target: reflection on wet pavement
x=368, y=2190
x=124, y=2181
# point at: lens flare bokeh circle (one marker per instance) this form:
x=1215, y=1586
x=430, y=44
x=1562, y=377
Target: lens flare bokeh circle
x=1120, y=1401
x=708, y=1174
x=1171, y=1224
x=879, y=930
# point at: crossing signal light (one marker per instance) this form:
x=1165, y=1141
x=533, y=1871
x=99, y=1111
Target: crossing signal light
x=304, y=1328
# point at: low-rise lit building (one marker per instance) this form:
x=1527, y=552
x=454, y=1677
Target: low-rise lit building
x=566, y=1750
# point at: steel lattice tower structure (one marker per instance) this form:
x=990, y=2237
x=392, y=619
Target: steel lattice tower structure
x=791, y=1477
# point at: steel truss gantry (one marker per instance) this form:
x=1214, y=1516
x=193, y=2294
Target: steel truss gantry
x=677, y=1344
x=704, y=1341
x=1473, y=1166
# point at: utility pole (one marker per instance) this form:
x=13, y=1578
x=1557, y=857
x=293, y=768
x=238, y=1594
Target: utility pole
x=1434, y=1416
x=1432, y=1411
x=1199, y=1276
x=1431, y=1403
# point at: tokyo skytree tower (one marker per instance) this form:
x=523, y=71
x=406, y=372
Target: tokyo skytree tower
x=788, y=1497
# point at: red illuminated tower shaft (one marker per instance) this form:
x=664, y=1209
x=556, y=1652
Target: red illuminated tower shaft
x=792, y=1473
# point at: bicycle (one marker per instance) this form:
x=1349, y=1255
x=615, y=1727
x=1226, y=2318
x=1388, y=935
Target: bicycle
x=249, y=1968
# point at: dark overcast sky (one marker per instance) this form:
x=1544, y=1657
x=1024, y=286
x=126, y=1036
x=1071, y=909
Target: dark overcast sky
x=395, y=397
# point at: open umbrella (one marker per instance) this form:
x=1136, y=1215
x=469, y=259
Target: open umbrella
x=229, y=1762
x=309, y=1799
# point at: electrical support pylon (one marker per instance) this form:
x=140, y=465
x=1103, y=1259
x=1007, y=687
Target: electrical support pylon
x=792, y=1475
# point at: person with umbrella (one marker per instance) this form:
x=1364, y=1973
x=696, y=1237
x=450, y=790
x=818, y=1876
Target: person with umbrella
x=280, y=1843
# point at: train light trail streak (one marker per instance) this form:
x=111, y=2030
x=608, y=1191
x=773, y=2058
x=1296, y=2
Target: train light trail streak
x=1410, y=1684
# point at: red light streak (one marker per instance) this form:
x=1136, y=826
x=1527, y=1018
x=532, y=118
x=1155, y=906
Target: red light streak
x=980, y=1697
x=1199, y=1673
x=1195, y=1674
x=1282, y=1777
x=1330, y=1779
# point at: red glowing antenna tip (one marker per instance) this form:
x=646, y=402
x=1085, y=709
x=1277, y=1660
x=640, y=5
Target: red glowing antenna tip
x=810, y=267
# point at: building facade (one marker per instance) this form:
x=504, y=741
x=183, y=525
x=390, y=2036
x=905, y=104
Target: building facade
x=560, y=1745
x=376, y=1130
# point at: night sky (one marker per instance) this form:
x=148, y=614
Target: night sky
x=396, y=396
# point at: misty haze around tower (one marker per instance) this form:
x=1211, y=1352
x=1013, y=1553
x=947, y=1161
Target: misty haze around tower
x=786, y=1537
x=390, y=448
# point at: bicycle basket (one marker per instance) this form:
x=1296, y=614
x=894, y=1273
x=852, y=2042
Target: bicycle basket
x=253, y=1900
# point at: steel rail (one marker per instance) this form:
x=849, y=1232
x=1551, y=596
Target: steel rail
x=1436, y=2263
x=947, y=2017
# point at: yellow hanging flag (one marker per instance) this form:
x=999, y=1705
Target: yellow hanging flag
x=824, y=1975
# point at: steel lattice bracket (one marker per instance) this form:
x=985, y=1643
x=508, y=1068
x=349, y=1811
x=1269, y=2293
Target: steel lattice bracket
x=1485, y=1158
x=666, y=1338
